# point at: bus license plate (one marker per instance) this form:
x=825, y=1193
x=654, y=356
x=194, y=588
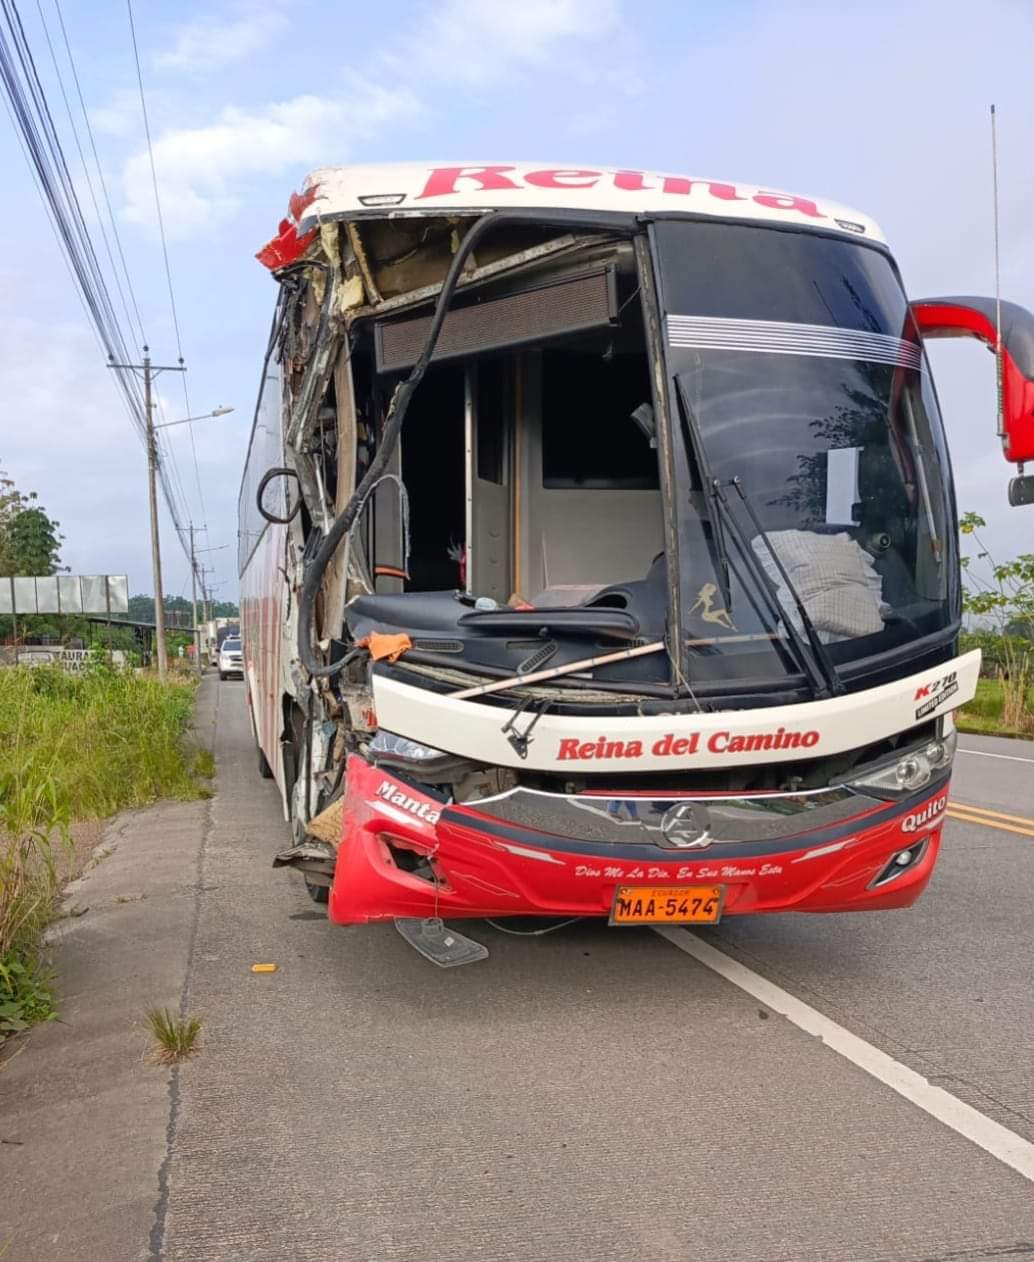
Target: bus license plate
x=667, y=905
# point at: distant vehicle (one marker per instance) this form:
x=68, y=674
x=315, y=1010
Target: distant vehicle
x=214, y=633
x=650, y=610
x=231, y=662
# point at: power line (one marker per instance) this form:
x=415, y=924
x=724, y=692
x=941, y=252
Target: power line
x=126, y=400
x=34, y=121
x=100, y=172
x=165, y=247
x=29, y=109
x=154, y=178
x=82, y=159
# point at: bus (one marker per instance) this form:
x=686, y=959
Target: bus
x=598, y=549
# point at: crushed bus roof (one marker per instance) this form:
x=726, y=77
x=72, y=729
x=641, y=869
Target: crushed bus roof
x=348, y=192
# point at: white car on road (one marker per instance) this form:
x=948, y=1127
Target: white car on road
x=231, y=660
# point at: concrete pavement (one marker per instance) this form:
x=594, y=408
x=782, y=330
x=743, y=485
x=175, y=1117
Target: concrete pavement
x=593, y=1090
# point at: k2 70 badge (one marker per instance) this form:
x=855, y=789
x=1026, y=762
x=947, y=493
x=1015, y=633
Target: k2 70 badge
x=934, y=695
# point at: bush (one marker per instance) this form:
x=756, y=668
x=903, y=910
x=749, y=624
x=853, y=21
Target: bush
x=92, y=744
x=986, y=712
x=1005, y=594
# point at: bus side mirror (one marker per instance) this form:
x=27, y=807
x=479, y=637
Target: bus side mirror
x=978, y=317
x=1021, y=491
x=273, y=499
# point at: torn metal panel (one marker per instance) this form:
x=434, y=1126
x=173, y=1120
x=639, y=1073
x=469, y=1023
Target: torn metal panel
x=350, y=562
x=511, y=261
x=364, y=266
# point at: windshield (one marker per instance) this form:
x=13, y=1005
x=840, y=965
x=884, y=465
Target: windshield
x=231, y=646
x=796, y=369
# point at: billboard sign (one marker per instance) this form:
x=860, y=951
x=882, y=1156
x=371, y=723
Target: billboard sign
x=65, y=593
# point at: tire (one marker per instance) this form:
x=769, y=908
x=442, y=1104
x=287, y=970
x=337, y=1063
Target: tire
x=222, y=675
x=318, y=893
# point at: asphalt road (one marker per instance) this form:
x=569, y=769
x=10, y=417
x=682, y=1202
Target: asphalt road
x=595, y=1092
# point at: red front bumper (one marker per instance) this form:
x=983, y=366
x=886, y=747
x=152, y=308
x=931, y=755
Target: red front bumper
x=482, y=870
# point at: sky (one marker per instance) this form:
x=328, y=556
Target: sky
x=882, y=106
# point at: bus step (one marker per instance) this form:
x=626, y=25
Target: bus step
x=314, y=858
x=440, y=944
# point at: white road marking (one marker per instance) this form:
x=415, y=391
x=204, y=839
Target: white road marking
x=982, y=753
x=1008, y=1147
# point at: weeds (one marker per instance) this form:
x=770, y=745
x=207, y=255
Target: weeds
x=103, y=740
x=203, y=765
x=25, y=994
x=987, y=711
x=74, y=747
x=176, y=1036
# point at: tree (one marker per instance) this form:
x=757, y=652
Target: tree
x=1022, y=628
x=1005, y=596
x=29, y=539
x=141, y=609
x=29, y=545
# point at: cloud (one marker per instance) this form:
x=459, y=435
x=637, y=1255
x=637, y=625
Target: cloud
x=792, y=114
x=476, y=41
x=71, y=439
x=207, y=43
x=120, y=116
x=75, y=445
x=202, y=170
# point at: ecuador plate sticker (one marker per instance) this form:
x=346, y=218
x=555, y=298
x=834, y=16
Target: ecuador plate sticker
x=667, y=904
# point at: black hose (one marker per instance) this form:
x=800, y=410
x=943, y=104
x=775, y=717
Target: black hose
x=389, y=438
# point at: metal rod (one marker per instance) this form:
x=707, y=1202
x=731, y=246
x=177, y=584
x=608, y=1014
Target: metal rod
x=998, y=285
x=538, y=675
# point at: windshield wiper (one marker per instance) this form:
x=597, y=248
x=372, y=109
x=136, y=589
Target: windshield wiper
x=829, y=671
x=820, y=684
x=720, y=516
x=695, y=444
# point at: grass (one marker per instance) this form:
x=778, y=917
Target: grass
x=984, y=713
x=203, y=765
x=74, y=747
x=175, y=1036
x=95, y=743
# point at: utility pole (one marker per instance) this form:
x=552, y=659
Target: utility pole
x=156, y=551
x=193, y=603
x=148, y=372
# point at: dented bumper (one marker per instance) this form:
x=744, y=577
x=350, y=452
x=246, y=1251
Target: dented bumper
x=404, y=854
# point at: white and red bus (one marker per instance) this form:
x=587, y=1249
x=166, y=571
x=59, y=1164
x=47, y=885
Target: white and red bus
x=598, y=548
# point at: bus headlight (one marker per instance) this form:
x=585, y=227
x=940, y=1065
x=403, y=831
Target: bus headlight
x=424, y=762
x=386, y=745
x=912, y=772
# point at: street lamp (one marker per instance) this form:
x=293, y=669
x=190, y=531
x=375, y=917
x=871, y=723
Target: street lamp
x=219, y=411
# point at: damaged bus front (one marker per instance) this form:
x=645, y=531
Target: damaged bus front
x=598, y=549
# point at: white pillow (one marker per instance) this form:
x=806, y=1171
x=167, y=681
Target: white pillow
x=834, y=577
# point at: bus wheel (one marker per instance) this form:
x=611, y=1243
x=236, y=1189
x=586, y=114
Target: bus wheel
x=318, y=893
